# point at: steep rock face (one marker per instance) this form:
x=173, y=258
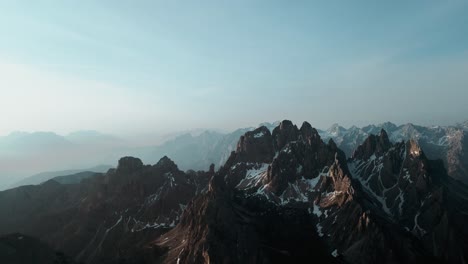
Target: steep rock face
x=373, y=145
x=107, y=218
x=284, y=133
x=390, y=207
x=399, y=179
x=413, y=191
x=129, y=165
x=302, y=158
x=225, y=226
x=457, y=155
x=255, y=146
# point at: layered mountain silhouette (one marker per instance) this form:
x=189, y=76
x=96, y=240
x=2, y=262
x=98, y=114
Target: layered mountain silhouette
x=284, y=195
x=85, y=149
x=198, y=150
x=69, y=175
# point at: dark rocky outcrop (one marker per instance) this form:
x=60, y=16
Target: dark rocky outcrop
x=129, y=165
x=284, y=133
x=223, y=226
x=373, y=145
x=255, y=146
x=107, y=218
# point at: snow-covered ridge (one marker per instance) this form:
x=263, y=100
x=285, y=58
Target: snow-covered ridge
x=350, y=138
x=253, y=176
x=437, y=142
x=298, y=191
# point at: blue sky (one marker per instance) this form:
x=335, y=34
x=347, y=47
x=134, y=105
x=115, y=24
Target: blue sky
x=143, y=66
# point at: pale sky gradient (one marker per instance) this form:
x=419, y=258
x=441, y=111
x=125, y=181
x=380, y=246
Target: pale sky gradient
x=143, y=66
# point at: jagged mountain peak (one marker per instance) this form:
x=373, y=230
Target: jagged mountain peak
x=284, y=133
x=388, y=126
x=411, y=190
x=261, y=146
x=309, y=133
x=269, y=125
x=374, y=145
x=255, y=146
x=292, y=154
x=306, y=126
x=285, y=124
x=129, y=164
x=237, y=194
x=336, y=129
x=167, y=164
x=399, y=177
x=410, y=128
x=383, y=138
x=448, y=143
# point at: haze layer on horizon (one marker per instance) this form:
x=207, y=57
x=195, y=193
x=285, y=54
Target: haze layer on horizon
x=122, y=67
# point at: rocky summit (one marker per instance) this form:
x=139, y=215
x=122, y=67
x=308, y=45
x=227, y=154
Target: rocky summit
x=284, y=195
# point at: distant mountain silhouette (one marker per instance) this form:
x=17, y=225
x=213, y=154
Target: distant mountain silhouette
x=60, y=175
x=75, y=178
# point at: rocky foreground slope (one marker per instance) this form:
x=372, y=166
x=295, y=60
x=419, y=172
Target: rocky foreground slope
x=281, y=197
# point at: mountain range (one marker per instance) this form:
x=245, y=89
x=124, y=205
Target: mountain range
x=54, y=154
x=198, y=149
x=283, y=195
x=449, y=143
x=24, y=154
